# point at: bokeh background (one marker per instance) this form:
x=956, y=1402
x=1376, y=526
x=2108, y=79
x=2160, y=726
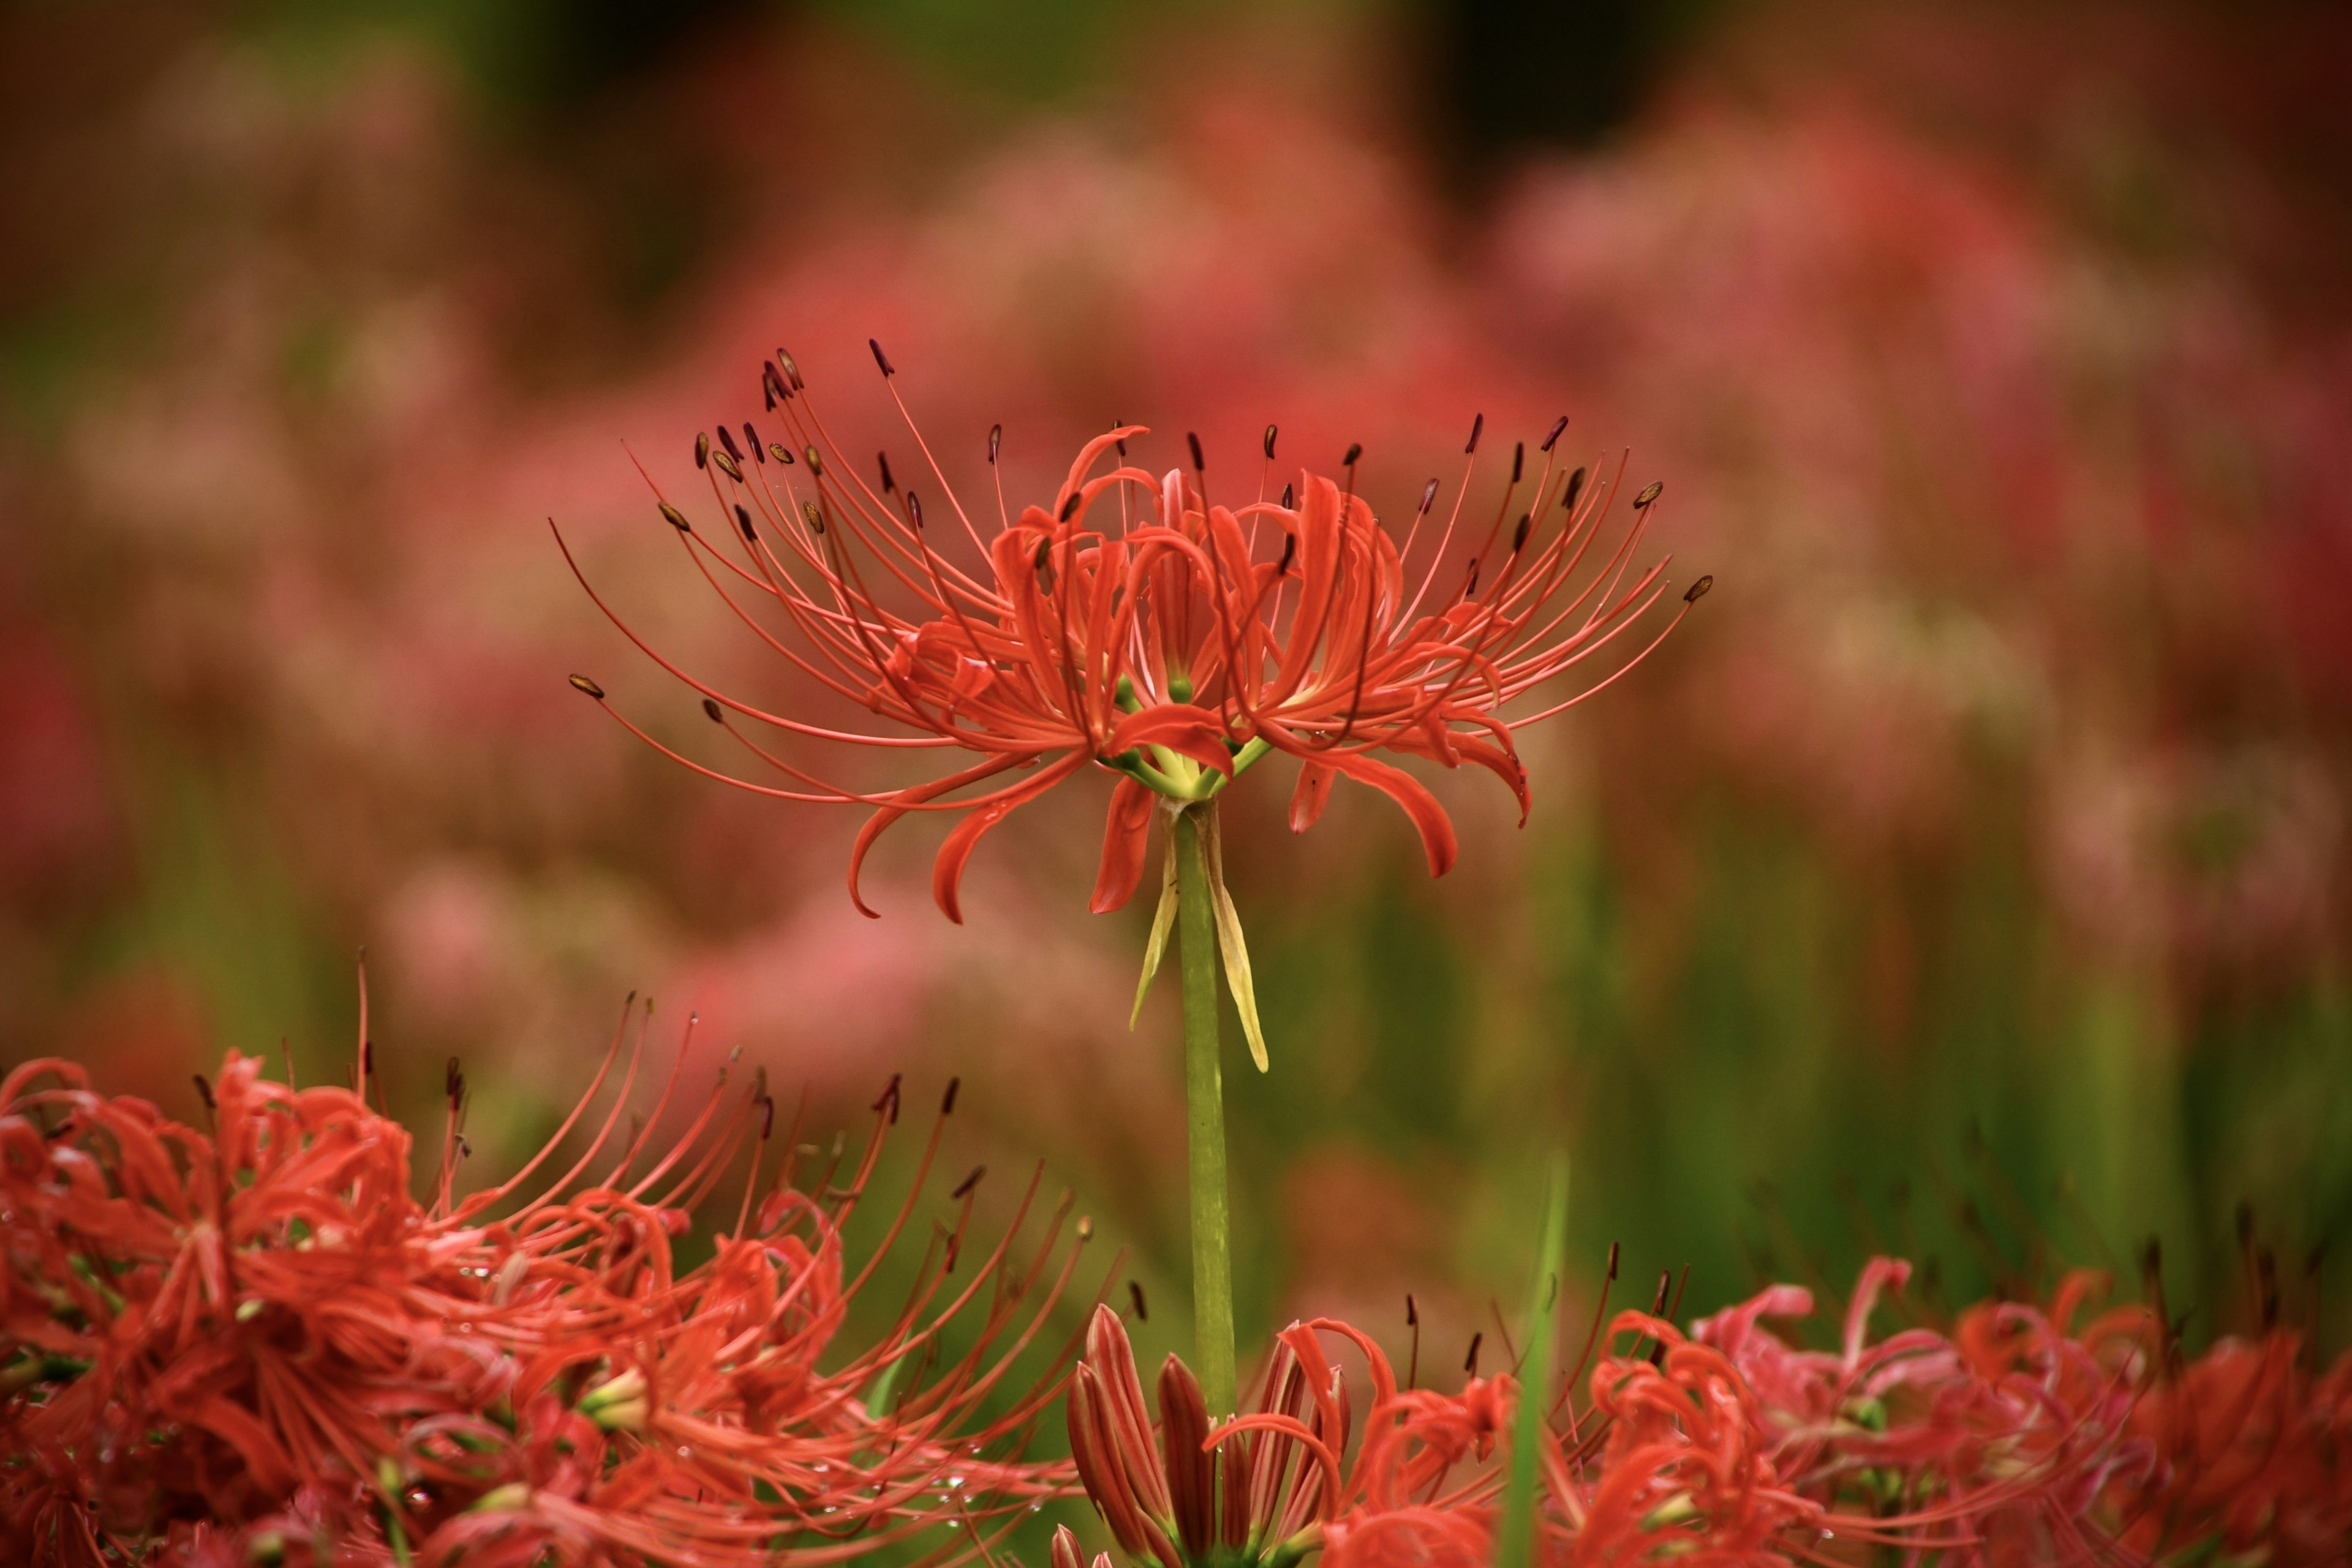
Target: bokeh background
x=1967, y=879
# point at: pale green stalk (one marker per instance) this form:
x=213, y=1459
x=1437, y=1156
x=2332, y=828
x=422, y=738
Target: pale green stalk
x=1204, y=1122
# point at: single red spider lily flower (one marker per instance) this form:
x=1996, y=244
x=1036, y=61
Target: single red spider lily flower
x=1174, y=645
x=2256, y=1454
x=257, y=1322
x=2007, y=1436
x=1275, y=1483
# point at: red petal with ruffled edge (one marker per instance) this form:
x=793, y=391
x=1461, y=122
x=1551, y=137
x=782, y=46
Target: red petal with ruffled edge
x=947, y=871
x=1312, y=794
x=1127, y=835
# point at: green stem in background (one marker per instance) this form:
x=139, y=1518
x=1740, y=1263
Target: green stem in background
x=1516, y=1547
x=1204, y=1121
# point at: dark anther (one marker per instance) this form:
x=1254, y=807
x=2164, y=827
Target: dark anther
x=710, y=710
x=1477, y=428
x=995, y=440
x=882, y=460
x=790, y=369
x=453, y=1083
x=915, y=507
x=727, y=441
x=367, y=1058
x=889, y=1099
x=727, y=464
x=1558, y=430
x=1143, y=1308
x=772, y=383
x=1289, y=552
x=1070, y=505
x=767, y=1117
x=1613, y=1261
x=1470, y=1361
x=1472, y=586
x=1289, y=498
x=582, y=683
x=1411, y=1312
x=777, y=450
x=1428, y=496
x=1518, y=461
x=1650, y=492
x=1200, y=464
x=947, y=1101
x=970, y=1181
x=759, y=450
x=205, y=1091
x=677, y=519
x=1355, y=450
x=1269, y=443
x=1575, y=488
x=743, y=520
x=816, y=463
x=1120, y=442
x=1697, y=590
x=1519, y=535
x=702, y=448
x=815, y=517
x=1045, y=554
x=879, y=357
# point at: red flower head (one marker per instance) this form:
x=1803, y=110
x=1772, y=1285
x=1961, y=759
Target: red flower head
x=1132, y=624
x=1278, y=1482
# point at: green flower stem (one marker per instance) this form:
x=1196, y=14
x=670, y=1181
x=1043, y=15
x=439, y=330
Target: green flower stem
x=1204, y=1122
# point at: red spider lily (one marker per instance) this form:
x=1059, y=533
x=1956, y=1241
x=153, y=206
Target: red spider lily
x=1681, y=1474
x=2000, y=1440
x=258, y=1328
x=1272, y=1484
x=1175, y=648
x=2257, y=1457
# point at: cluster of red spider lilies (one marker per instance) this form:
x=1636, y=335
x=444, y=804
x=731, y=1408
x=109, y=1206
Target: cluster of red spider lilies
x=2017, y=1438
x=247, y=1343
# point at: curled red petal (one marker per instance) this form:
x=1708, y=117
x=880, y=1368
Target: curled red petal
x=1127, y=835
x=947, y=870
x=1311, y=795
x=1181, y=728
x=875, y=823
x=1429, y=818
x=1485, y=754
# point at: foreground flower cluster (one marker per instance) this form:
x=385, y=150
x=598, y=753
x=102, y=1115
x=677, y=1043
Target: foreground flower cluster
x=249, y=1343
x=2016, y=1438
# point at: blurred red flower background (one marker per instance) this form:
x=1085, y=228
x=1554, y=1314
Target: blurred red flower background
x=1967, y=882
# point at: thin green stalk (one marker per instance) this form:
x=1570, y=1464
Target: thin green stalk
x=1516, y=1547
x=1204, y=1122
